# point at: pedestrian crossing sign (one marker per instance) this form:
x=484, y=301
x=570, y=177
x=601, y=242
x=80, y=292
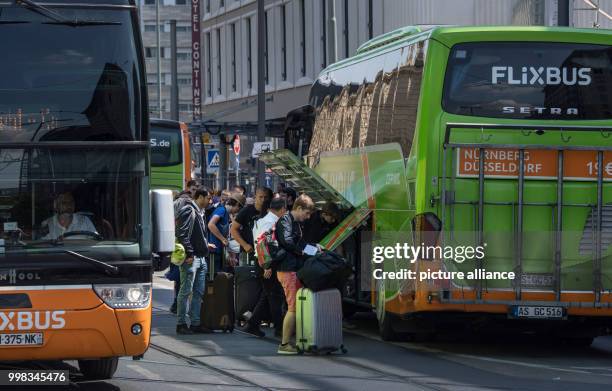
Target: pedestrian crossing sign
x=212, y=161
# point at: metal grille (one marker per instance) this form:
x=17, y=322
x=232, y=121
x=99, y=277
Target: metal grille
x=587, y=243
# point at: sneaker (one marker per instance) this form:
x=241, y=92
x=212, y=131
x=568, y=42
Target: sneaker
x=200, y=330
x=287, y=349
x=183, y=329
x=256, y=331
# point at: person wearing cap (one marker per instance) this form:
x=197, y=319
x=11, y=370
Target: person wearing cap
x=218, y=227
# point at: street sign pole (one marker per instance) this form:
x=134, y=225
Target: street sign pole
x=261, y=85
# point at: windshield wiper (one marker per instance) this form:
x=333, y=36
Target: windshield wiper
x=59, y=19
x=107, y=268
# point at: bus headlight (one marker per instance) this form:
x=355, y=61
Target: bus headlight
x=125, y=296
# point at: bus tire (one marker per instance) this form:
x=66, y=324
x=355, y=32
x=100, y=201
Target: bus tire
x=100, y=369
x=385, y=318
x=385, y=327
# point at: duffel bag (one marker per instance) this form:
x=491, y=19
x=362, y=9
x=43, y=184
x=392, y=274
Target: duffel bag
x=324, y=271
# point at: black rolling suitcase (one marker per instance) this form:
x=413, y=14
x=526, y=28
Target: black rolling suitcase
x=217, y=312
x=247, y=288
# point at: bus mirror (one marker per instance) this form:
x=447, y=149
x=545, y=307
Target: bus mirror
x=426, y=229
x=163, y=221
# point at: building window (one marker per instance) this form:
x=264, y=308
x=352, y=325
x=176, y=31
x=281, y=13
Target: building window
x=185, y=107
x=208, y=6
x=283, y=42
x=303, y=35
x=323, y=34
x=219, y=79
x=183, y=29
x=208, y=66
x=233, y=32
x=267, y=65
x=181, y=2
x=149, y=52
x=186, y=55
x=249, y=54
x=346, y=29
x=150, y=28
x=370, y=19
x=184, y=80
x=149, y=2
x=221, y=3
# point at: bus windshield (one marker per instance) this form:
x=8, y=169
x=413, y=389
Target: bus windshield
x=166, y=146
x=52, y=198
x=529, y=80
x=69, y=83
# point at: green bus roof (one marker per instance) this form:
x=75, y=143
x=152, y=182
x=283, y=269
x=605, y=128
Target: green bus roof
x=451, y=35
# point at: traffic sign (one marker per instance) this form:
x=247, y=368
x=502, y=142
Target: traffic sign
x=261, y=147
x=212, y=161
x=237, y=145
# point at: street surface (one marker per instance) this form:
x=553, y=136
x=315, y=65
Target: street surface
x=455, y=363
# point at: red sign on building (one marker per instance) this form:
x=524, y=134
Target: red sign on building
x=196, y=85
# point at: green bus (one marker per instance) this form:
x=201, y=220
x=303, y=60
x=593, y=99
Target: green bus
x=490, y=149
x=170, y=155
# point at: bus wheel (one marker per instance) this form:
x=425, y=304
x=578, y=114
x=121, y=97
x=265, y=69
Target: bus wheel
x=385, y=319
x=100, y=369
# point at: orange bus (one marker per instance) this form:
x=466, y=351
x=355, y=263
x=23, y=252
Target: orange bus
x=77, y=232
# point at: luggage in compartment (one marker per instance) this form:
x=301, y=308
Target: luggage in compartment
x=319, y=321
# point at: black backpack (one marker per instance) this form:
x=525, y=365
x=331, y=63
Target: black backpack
x=326, y=270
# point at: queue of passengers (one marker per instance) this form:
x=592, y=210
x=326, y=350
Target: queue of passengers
x=219, y=230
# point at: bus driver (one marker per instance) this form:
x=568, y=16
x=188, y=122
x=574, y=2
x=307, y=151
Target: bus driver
x=65, y=220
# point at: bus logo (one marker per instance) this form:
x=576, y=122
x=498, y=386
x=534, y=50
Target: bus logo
x=12, y=276
x=544, y=76
x=25, y=320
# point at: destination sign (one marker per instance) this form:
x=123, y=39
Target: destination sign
x=538, y=164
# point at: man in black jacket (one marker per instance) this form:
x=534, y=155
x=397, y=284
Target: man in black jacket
x=192, y=234
x=289, y=237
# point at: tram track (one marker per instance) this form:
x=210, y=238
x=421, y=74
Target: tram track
x=198, y=363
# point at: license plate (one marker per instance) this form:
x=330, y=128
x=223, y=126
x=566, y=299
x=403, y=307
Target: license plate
x=537, y=312
x=21, y=339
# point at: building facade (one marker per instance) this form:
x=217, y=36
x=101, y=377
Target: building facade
x=180, y=11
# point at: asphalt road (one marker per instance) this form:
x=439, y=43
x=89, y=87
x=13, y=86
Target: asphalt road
x=455, y=363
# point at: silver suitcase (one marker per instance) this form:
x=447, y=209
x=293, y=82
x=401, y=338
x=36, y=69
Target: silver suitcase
x=319, y=321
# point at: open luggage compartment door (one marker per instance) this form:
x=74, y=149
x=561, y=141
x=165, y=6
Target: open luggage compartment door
x=302, y=178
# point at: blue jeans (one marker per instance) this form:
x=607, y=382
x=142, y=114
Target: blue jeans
x=193, y=283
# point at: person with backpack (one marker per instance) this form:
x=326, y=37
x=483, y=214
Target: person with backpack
x=219, y=228
x=242, y=226
x=191, y=232
x=289, y=237
x=272, y=296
